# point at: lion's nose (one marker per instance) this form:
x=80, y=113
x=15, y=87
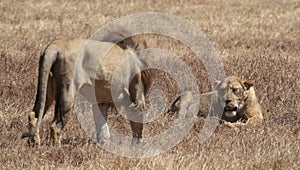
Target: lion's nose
x=228, y=101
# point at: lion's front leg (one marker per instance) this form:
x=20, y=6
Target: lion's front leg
x=232, y=125
x=140, y=102
x=253, y=120
x=137, y=130
x=100, y=118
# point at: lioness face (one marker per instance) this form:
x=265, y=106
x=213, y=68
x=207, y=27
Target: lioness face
x=232, y=94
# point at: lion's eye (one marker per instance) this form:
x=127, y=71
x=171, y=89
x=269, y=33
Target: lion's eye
x=235, y=90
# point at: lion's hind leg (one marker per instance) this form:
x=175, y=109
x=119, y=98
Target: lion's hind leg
x=33, y=115
x=63, y=108
x=35, y=139
x=59, y=122
x=56, y=126
x=55, y=134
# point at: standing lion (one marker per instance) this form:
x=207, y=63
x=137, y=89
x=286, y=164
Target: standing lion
x=72, y=65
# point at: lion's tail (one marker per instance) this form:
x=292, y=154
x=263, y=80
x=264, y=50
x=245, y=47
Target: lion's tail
x=46, y=61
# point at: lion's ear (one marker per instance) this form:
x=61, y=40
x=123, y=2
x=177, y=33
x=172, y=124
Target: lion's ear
x=136, y=46
x=217, y=83
x=248, y=84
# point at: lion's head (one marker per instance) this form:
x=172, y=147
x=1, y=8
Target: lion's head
x=233, y=97
x=232, y=94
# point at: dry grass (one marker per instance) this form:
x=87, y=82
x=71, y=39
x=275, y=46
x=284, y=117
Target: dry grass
x=255, y=39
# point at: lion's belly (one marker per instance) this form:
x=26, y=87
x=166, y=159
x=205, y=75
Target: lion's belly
x=100, y=94
x=98, y=68
x=103, y=92
x=100, y=90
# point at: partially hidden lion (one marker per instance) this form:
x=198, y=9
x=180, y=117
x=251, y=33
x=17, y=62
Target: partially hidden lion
x=72, y=65
x=234, y=97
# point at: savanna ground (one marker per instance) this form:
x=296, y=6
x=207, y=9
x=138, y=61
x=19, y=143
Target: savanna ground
x=257, y=40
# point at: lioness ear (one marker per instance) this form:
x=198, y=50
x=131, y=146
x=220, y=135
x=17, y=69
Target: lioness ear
x=145, y=44
x=248, y=84
x=136, y=46
x=216, y=83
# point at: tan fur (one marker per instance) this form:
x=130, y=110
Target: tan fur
x=182, y=101
x=187, y=98
x=237, y=98
x=185, y=101
x=62, y=74
x=32, y=122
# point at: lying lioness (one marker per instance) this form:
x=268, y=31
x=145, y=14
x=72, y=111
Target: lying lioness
x=236, y=97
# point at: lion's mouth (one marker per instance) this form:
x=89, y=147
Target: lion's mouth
x=230, y=111
x=230, y=108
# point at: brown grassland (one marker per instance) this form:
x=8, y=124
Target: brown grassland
x=257, y=40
